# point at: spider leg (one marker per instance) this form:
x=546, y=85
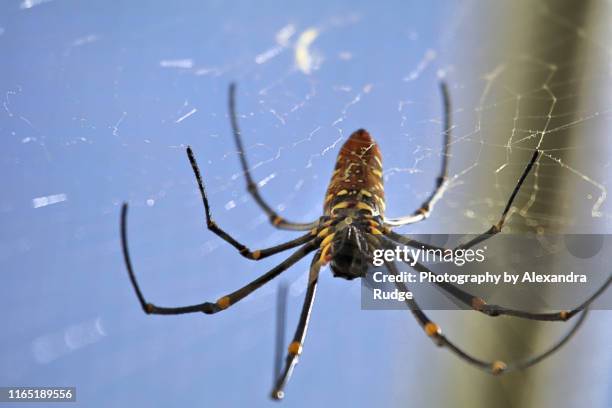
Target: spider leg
x=496, y=228
x=441, y=181
x=480, y=305
x=206, y=307
x=295, y=348
x=252, y=188
x=212, y=225
x=494, y=367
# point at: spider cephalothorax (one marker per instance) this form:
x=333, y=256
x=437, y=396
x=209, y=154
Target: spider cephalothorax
x=352, y=226
x=351, y=251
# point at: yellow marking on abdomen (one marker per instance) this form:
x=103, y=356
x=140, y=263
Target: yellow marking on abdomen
x=378, y=161
x=382, y=205
x=339, y=206
x=363, y=206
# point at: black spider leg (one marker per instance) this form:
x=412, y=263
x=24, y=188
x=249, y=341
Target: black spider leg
x=212, y=225
x=502, y=220
x=207, y=307
x=494, y=367
x=441, y=182
x=252, y=188
x=480, y=305
x=496, y=228
x=476, y=302
x=295, y=348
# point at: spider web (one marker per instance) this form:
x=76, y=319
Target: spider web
x=99, y=109
x=516, y=103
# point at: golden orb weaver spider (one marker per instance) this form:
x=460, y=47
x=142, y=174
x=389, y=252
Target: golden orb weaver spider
x=353, y=225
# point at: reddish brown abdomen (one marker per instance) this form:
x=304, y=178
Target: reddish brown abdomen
x=357, y=184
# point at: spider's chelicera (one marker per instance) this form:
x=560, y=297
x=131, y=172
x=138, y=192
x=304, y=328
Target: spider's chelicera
x=352, y=226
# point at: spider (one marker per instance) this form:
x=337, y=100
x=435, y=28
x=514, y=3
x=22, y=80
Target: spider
x=352, y=226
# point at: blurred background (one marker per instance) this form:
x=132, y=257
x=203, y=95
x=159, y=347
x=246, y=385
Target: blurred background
x=98, y=102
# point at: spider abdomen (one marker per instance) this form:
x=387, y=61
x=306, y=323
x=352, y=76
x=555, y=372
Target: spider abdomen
x=356, y=185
